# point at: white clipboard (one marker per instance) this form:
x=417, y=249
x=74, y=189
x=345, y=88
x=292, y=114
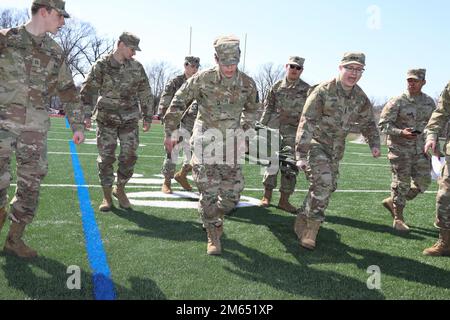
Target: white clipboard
x=436, y=167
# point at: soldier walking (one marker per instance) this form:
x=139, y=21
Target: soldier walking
x=437, y=123
x=124, y=96
x=191, y=66
x=329, y=113
x=227, y=100
x=282, y=110
x=32, y=70
x=403, y=120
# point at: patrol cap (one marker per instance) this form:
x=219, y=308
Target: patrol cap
x=58, y=5
x=418, y=74
x=354, y=57
x=130, y=40
x=193, y=61
x=296, y=61
x=227, y=50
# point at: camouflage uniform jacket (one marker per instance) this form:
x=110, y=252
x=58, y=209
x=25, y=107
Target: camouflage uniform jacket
x=284, y=105
x=33, y=70
x=222, y=103
x=406, y=112
x=169, y=92
x=121, y=89
x=328, y=115
x=439, y=119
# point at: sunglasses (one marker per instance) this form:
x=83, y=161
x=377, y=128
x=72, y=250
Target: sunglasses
x=293, y=66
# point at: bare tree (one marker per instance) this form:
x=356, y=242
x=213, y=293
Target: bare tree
x=10, y=18
x=268, y=75
x=97, y=47
x=82, y=46
x=159, y=74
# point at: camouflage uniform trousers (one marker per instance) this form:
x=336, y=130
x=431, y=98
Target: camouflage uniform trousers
x=220, y=188
x=288, y=178
x=409, y=172
x=107, y=135
x=443, y=199
x=322, y=174
x=32, y=167
x=169, y=167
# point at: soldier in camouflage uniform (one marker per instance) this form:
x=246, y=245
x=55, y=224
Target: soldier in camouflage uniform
x=227, y=100
x=437, y=123
x=329, y=113
x=32, y=70
x=403, y=120
x=122, y=86
x=191, y=66
x=282, y=110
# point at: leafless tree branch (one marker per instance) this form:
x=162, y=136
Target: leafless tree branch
x=159, y=74
x=268, y=75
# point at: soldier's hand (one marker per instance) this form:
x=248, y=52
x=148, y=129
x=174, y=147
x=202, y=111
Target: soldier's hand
x=408, y=134
x=78, y=137
x=431, y=144
x=376, y=153
x=147, y=126
x=87, y=123
x=169, y=143
x=302, y=165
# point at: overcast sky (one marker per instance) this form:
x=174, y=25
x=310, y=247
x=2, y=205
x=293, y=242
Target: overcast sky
x=395, y=35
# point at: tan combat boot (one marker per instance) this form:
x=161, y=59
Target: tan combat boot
x=285, y=205
x=442, y=246
x=214, y=234
x=167, y=186
x=310, y=234
x=119, y=193
x=399, y=221
x=3, y=215
x=265, y=202
x=107, y=202
x=388, y=203
x=300, y=226
x=181, y=178
x=14, y=245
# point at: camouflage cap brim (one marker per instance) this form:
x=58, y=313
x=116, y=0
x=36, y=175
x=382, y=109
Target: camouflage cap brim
x=352, y=62
x=298, y=61
x=130, y=40
x=295, y=64
x=58, y=5
x=64, y=13
x=417, y=74
x=229, y=62
x=413, y=77
x=193, y=61
x=227, y=50
x=358, y=58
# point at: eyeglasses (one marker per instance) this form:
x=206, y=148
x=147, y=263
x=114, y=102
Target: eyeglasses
x=355, y=70
x=293, y=66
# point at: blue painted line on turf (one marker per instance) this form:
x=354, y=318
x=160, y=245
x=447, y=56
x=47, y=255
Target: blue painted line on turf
x=67, y=123
x=103, y=285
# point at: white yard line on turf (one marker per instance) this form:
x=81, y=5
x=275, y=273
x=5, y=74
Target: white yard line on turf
x=95, y=154
x=143, y=156
x=246, y=189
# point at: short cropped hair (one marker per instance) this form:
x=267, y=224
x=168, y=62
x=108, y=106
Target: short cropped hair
x=36, y=7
